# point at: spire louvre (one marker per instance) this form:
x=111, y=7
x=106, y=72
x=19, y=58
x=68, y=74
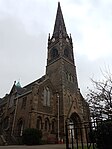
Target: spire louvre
x=59, y=27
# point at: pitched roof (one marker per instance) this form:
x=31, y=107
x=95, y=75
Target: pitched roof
x=29, y=86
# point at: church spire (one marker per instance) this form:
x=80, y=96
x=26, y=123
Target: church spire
x=59, y=27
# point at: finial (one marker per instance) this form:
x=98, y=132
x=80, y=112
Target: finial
x=71, y=40
x=70, y=35
x=49, y=37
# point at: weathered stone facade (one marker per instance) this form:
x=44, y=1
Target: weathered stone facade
x=46, y=103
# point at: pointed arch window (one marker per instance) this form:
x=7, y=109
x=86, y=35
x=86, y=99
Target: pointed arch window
x=20, y=127
x=54, y=53
x=11, y=102
x=47, y=95
x=24, y=103
x=70, y=77
x=39, y=123
x=69, y=99
x=66, y=53
x=53, y=125
x=6, y=123
x=47, y=124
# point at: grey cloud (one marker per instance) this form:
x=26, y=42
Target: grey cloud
x=21, y=54
x=23, y=39
x=88, y=70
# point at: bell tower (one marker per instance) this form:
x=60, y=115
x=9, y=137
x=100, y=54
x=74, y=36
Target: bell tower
x=60, y=44
x=61, y=68
x=60, y=61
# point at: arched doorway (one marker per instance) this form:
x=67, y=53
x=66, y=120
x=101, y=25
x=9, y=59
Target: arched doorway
x=75, y=119
x=75, y=125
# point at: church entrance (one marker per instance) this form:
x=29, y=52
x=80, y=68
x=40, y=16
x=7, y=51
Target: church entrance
x=78, y=133
x=75, y=127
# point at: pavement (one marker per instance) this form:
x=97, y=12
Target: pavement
x=54, y=146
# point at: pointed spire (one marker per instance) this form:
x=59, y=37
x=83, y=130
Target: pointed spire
x=59, y=27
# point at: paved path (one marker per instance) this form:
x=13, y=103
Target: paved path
x=56, y=146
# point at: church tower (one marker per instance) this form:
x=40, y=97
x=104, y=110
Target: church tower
x=61, y=70
x=60, y=62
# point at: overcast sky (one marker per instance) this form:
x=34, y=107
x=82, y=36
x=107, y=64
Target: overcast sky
x=24, y=28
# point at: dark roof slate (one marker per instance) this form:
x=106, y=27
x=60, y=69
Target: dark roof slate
x=29, y=86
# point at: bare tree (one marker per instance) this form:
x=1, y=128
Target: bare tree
x=100, y=99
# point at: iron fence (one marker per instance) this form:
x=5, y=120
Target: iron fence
x=81, y=135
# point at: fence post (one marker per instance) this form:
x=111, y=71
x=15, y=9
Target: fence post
x=81, y=129
x=67, y=142
x=72, y=139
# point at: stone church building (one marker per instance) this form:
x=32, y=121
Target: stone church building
x=49, y=101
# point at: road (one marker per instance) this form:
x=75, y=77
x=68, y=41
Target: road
x=56, y=146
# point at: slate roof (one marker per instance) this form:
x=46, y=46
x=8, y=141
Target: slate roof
x=29, y=86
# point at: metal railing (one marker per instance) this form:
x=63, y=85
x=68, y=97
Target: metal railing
x=81, y=135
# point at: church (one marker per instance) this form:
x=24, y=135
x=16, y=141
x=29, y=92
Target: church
x=49, y=101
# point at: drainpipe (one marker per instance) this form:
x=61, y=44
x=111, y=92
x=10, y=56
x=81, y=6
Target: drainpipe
x=58, y=119
x=14, y=117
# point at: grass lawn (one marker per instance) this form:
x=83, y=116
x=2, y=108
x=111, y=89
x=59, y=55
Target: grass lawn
x=85, y=147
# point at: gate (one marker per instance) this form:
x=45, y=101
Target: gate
x=81, y=135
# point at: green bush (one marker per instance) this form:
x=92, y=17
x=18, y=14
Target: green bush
x=32, y=136
x=104, y=135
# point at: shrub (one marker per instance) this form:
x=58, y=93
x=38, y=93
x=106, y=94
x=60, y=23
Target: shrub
x=32, y=136
x=104, y=135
